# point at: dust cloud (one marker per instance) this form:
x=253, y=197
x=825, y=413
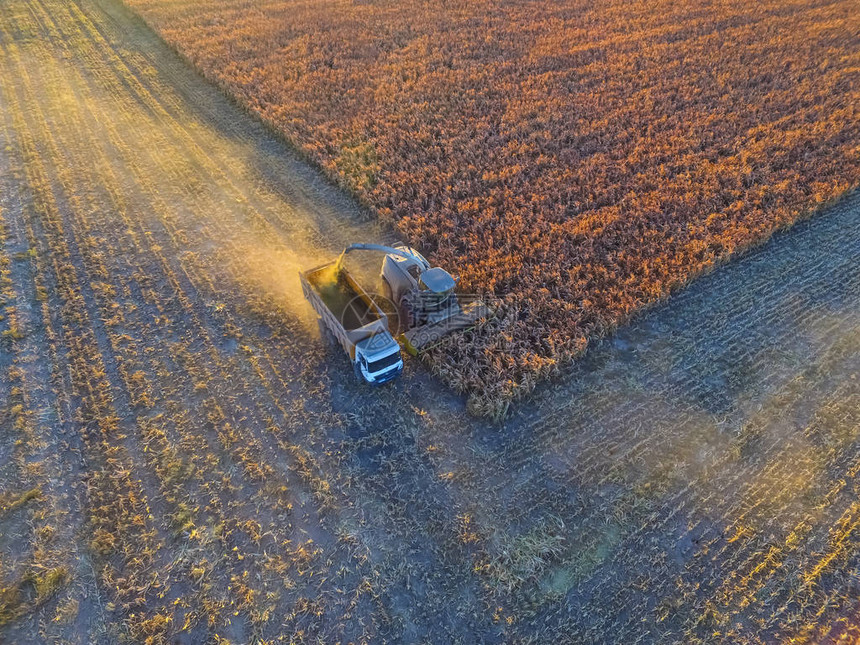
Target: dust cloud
x=269, y=271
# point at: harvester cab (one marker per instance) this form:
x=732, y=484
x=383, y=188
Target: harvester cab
x=423, y=294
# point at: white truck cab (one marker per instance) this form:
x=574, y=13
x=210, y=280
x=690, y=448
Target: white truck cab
x=378, y=359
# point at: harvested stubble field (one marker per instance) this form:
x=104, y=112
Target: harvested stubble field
x=579, y=159
x=181, y=463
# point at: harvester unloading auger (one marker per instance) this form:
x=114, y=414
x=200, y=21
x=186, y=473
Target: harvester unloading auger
x=426, y=304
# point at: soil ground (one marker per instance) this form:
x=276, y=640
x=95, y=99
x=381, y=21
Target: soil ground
x=205, y=468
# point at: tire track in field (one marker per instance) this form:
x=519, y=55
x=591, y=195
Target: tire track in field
x=200, y=327
x=94, y=396
x=61, y=455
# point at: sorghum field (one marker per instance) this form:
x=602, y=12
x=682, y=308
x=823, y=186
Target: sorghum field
x=579, y=159
x=183, y=460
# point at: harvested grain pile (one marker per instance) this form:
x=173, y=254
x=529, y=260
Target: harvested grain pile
x=580, y=160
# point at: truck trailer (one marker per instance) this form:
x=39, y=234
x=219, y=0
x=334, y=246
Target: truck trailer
x=349, y=314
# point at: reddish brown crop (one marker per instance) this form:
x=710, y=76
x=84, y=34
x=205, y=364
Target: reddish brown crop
x=580, y=160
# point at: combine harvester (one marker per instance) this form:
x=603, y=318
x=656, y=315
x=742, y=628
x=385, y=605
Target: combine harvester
x=422, y=297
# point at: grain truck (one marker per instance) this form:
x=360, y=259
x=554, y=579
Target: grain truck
x=356, y=322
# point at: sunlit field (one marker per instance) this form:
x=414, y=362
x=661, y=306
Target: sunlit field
x=581, y=160
x=184, y=459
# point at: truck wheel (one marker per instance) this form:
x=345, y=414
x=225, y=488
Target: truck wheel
x=357, y=371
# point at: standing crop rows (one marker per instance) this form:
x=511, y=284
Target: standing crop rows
x=578, y=160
